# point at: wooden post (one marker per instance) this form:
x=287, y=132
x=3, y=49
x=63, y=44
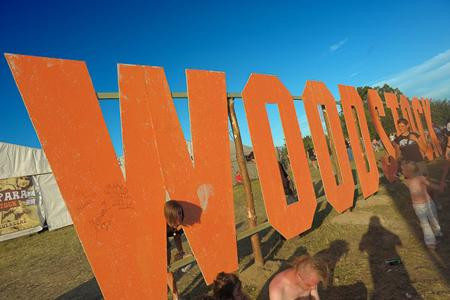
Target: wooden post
x=251, y=215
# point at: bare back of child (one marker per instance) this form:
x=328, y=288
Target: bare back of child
x=422, y=203
x=417, y=186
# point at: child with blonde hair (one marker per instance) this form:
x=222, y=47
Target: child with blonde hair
x=423, y=205
x=301, y=280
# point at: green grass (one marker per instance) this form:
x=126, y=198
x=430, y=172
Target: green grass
x=50, y=264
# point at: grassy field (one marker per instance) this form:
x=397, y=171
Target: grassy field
x=52, y=265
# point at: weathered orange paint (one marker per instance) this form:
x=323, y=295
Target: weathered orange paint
x=204, y=185
x=339, y=195
x=120, y=223
x=406, y=112
x=289, y=220
x=417, y=111
x=392, y=104
x=368, y=179
x=389, y=165
x=427, y=113
x=376, y=110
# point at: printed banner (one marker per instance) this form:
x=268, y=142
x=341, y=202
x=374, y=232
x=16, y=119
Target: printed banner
x=19, y=213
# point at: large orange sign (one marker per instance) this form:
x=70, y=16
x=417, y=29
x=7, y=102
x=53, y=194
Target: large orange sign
x=339, y=195
x=368, y=176
x=120, y=221
x=262, y=89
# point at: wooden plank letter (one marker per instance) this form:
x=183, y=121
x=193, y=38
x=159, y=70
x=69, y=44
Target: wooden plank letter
x=203, y=187
x=120, y=224
x=376, y=110
x=369, y=179
x=340, y=196
x=289, y=220
x=406, y=112
x=427, y=113
x=417, y=111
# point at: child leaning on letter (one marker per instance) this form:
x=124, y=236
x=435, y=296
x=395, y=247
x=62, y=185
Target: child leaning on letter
x=174, y=214
x=423, y=205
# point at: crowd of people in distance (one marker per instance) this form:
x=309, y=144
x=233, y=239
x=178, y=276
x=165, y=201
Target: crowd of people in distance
x=301, y=280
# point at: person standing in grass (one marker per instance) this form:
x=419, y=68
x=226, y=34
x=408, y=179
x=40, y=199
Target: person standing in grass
x=312, y=157
x=285, y=180
x=423, y=205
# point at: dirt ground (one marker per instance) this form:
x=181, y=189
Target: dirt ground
x=52, y=265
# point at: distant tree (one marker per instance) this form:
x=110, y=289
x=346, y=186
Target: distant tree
x=387, y=121
x=440, y=111
x=283, y=153
x=307, y=141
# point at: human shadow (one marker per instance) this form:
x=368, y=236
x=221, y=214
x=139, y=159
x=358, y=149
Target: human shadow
x=331, y=256
x=354, y=291
x=318, y=188
x=196, y=288
x=322, y=212
x=390, y=281
x=87, y=290
x=398, y=191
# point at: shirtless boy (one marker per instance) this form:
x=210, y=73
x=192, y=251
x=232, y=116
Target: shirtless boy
x=423, y=205
x=300, y=281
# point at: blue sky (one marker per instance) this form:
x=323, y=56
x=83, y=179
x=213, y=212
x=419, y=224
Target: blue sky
x=404, y=43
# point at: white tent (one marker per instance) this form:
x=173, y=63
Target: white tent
x=18, y=161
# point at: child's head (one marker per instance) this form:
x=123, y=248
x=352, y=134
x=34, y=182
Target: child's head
x=174, y=214
x=228, y=286
x=409, y=169
x=310, y=271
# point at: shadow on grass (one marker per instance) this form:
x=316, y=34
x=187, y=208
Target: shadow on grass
x=399, y=192
x=331, y=256
x=391, y=281
x=196, y=288
x=271, y=242
x=88, y=290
